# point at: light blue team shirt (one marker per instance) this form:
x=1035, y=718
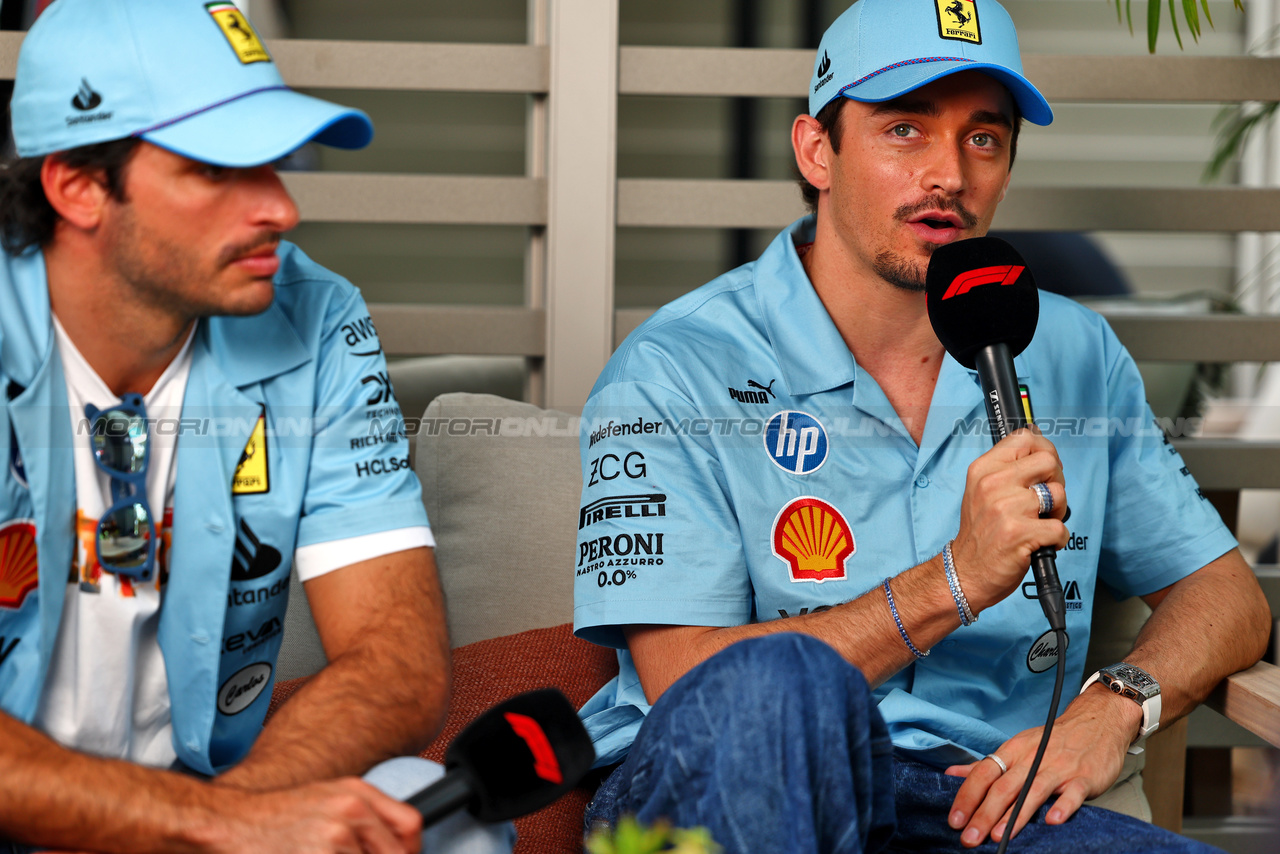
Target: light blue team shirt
x=738, y=466
x=299, y=395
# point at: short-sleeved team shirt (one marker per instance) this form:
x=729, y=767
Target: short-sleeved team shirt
x=738, y=466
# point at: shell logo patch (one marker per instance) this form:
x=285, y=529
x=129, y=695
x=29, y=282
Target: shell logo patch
x=252, y=474
x=19, y=569
x=958, y=20
x=813, y=539
x=239, y=32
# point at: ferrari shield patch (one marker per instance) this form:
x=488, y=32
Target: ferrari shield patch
x=958, y=20
x=238, y=32
x=252, y=475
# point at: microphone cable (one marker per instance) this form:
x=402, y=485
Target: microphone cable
x=1061, y=636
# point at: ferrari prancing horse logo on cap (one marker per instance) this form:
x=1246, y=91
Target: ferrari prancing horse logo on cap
x=958, y=20
x=240, y=35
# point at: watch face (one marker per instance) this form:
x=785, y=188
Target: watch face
x=1135, y=678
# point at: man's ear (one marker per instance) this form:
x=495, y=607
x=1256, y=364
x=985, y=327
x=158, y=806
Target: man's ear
x=813, y=151
x=1005, y=188
x=78, y=195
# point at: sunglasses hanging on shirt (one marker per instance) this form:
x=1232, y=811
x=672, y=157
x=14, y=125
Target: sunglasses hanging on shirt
x=126, y=536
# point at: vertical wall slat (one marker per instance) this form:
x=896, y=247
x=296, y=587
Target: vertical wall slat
x=535, y=158
x=581, y=213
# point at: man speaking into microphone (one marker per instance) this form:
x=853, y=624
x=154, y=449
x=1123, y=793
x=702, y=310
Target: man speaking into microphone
x=816, y=583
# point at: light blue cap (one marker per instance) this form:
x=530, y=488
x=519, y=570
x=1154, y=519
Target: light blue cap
x=880, y=49
x=187, y=75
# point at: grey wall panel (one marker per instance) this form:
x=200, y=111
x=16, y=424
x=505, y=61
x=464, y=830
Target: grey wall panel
x=481, y=200
x=406, y=65
x=1232, y=464
x=764, y=204
x=416, y=330
x=786, y=73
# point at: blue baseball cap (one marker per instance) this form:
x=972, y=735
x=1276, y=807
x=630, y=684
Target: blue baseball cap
x=187, y=75
x=880, y=49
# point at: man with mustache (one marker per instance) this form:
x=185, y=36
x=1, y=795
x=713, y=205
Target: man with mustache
x=191, y=408
x=818, y=602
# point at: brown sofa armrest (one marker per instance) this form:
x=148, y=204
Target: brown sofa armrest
x=1251, y=698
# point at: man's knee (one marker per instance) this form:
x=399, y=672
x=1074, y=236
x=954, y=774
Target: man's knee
x=783, y=681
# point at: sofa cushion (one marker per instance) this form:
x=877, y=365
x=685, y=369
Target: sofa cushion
x=489, y=671
x=501, y=483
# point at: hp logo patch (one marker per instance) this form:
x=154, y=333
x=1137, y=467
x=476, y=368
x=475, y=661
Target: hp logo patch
x=796, y=442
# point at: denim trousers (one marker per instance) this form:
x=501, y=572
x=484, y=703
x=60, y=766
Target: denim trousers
x=775, y=745
x=400, y=778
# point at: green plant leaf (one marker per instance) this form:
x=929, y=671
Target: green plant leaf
x=1192, y=13
x=1153, y=24
x=694, y=840
x=1234, y=125
x=1208, y=17
x=599, y=842
x=1173, y=17
x=1128, y=13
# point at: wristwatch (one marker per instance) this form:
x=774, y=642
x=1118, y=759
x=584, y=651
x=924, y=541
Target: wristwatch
x=1136, y=684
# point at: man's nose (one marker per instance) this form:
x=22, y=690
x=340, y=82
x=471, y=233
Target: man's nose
x=944, y=169
x=274, y=208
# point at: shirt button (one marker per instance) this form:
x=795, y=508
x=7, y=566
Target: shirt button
x=922, y=481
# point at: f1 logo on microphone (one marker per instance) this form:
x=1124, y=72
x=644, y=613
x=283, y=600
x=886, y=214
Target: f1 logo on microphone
x=796, y=442
x=1005, y=274
x=544, y=756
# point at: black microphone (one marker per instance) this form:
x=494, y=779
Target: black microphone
x=517, y=757
x=984, y=306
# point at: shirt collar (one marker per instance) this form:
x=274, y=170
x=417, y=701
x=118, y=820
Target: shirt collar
x=247, y=349
x=810, y=350
x=812, y=355
x=256, y=348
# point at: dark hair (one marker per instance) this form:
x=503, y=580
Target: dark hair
x=26, y=217
x=829, y=119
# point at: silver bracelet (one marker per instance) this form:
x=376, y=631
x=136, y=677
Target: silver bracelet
x=902, y=630
x=953, y=581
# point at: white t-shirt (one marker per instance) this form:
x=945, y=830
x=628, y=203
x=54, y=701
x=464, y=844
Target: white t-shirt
x=107, y=692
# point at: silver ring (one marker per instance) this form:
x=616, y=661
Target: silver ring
x=1044, y=496
x=1004, y=769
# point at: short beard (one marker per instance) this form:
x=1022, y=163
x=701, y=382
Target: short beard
x=157, y=276
x=167, y=276
x=899, y=272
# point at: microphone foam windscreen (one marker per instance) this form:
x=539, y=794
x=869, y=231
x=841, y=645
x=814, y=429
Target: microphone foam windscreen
x=979, y=293
x=522, y=754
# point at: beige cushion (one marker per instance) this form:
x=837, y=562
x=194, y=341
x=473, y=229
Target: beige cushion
x=500, y=480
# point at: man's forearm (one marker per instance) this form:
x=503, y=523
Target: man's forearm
x=1000, y=527
x=368, y=705
x=385, y=690
x=51, y=796
x=1202, y=629
x=862, y=631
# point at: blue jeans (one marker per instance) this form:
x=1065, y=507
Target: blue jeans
x=399, y=778
x=775, y=744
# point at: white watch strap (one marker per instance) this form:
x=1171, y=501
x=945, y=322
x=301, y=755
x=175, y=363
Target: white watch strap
x=1150, y=714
